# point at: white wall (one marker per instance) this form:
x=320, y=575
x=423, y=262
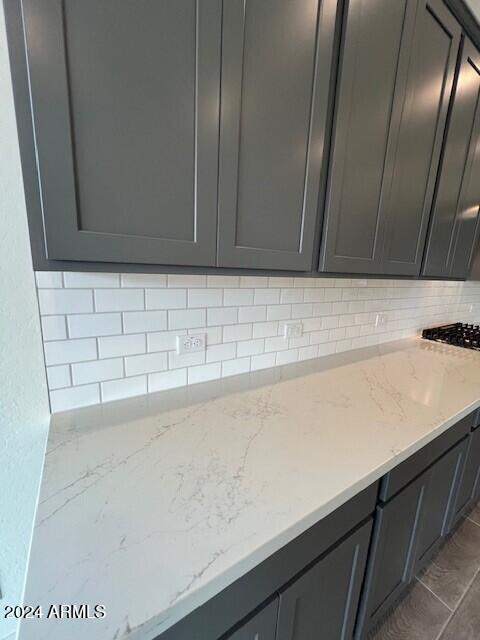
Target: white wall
x=24, y=410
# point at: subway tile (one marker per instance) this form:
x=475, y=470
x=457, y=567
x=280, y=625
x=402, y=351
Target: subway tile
x=279, y=312
x=147, y=363
x=74, y=397
x=302, y=310
x=94, y=324
x=116, y=346
x=218, y=352
x=143, y=280
x=180, y=360
x=119, y=300
x=253, y=281
x=278, y=343
x=58, y=377
x=263, y=361
x=265, y=329
x=54, y=328
x=235, y=332
x=49, y=279
x=61, y=301
x=281, y=283
x=204, y=372
x=187, y=319
x=141, y=321
x=167, y=380
x=291, y=295
x=235, y=367
x=315, y=295
x=126, y=388
x=286, y=357
x=312, y=324
x=318, y=337
x=250, y=347
x=68, y=351
x=221, y=316
x=302, y=341
x=223, y=281
x=238, y=297
x=322, y=308
x=266, y=296
x=213, y=334
x=74, y=280
x=307, y=353
x=163, y=340
x=165, y=298
x=96, y=371
x=186, y=280
x=252, y=314
x=205, y=297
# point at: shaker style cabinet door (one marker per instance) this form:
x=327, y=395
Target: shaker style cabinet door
x=455, y=214
x=323, y=602
x=470, y=477
x=125, y=99
x=276, y=68
x=261, y=627
x=396, y=76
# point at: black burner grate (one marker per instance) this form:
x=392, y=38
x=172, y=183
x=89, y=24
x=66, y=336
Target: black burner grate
x=461, y=335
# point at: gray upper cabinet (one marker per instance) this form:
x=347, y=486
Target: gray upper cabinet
x=455, y=215
x=323, y=602
x=276, y=68
x=396, y=75
x=125, y=99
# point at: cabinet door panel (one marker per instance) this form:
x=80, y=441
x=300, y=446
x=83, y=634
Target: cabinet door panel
x=470, y=477
x=442, y=486
x=374, y=34
x=453, y=228
x=323, y=602
x=419, y=137
x=261, y=627
x=125, y=101
x=276, y=65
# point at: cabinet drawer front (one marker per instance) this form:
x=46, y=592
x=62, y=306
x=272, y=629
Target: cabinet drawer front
x=420, y=120
x=125, y=102
x=323, y=602
x=276, y=66
x=453, y=229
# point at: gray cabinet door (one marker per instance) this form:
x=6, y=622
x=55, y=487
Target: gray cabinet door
x=374, y=34
x=261, y=627
x=442, y=485
x=323, y=602
x=125, y=99
x=276, y=69
x=470, y=477
x=454, y=225
x=392, y=555
x=396, y=77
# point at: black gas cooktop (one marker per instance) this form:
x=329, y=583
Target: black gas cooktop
x=461, y=335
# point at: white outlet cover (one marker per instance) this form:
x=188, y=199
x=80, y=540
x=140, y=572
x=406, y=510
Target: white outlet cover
x=293, y=330
x=191, y=343
x=381, y=320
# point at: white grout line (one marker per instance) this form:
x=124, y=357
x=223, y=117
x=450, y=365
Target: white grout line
x=434, y=594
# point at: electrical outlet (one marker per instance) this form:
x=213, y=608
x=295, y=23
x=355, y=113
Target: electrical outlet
x=192, y=343
x=293, y=330
x=381, y=320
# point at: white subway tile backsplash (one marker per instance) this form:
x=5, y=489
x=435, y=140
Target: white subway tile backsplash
x=119, y=300
x=148, y=363
x=54, y=328
x=94, y=325
x=116, y=346
x=68, y=351
x=166, y=298
x=58, y=301
x=96, y=371
x=131, y=322
x=74, y=280
x=126, y=388
x=140, y=321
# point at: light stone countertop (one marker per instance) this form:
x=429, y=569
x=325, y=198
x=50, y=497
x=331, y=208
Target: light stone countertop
x=153, y=505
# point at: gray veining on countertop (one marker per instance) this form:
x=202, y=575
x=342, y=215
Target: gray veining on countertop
x=151, y=506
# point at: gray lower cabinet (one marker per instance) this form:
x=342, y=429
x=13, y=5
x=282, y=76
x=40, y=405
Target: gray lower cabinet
x=395, y=81
x=323, y=602
x=470, y=480
x=455, y=215
x=125, y=101
x=276, y=68
x=262, y=626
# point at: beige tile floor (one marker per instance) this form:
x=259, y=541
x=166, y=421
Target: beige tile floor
x=444, y=601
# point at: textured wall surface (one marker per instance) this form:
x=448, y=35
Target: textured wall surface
x=109, y=336
x=24, y=411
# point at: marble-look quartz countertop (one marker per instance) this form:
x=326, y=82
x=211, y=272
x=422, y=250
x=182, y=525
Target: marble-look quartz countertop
x=151, y=506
